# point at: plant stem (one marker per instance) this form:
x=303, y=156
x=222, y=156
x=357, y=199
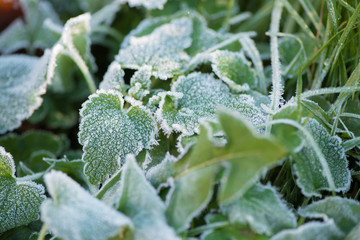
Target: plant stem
x=42, y=233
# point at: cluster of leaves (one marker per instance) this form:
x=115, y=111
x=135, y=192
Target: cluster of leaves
x=199, y=120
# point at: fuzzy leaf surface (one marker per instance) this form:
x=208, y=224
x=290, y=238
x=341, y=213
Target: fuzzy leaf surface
x=262, y=208
x=108, y=132
x=198, y=95
x=19, y=200
x=233, y=70
x=311, y=231
x=344, y=212
x=73, y=214
x=163, y=49
x=308, y=168
x=22, y=81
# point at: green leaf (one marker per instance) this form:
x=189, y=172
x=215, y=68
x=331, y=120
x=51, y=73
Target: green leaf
x=19, y=200
x=148, y=4
x=262, y=208
x=163, y=49
x=73, y=47
x=309, y=169
x=140, y=83
x=294, y=53
x=139, y=201
x=30, y=147
x=345, y=212
x=32, y=32
x=22, y=81
x=196, y=96
x=73, y=214
x=311, y=231
x=233, y=70
x=113, y=78
x=240, y=157
x=73, y=168
x=108, y=133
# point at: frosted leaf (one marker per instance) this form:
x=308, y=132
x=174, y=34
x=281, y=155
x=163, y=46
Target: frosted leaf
x=30, y=33
x=114, y=77
x=140, y=83
x=19, y=200
x=149, y=4
x=108, y=133
x=233, y=70
x=309, y=170
x=311, y=231
x=196, y=170
x=262, y=208
x=74, y=46
x=203, y=37
x=22, y=81
x=163, y=49
x=139, y=201
x=73, y=214
x=344, y=212
x=198, y=96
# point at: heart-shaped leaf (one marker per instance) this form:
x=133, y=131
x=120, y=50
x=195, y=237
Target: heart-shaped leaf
x=108, y=132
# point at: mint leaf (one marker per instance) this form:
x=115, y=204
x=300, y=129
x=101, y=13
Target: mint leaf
x=240, y=158
x=233, y=70
x=73, y=214
x=19, y=200
x=308, y=167
x=262, y=208
x=108, y=132
x=113, y=78
x=22, y=81
x=139, y=201
x=140, y=83
x=198, y=95
x=163, y=49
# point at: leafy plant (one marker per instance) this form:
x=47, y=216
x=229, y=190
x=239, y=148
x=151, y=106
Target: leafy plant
x=126, y=119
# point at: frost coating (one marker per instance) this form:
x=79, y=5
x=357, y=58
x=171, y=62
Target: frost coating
x=108, y=133
x=163, y=49
x=73, y=214
x=140, y=83
x=73, y=47
x=263, y=209
x=309, y=170
x=311, y=231
x=198, y=96
x=344, y=212
x=114, y=77
x=232, y=69
x=149, y=4
x=19, y=200
x=139, y=201
x=22, y=81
